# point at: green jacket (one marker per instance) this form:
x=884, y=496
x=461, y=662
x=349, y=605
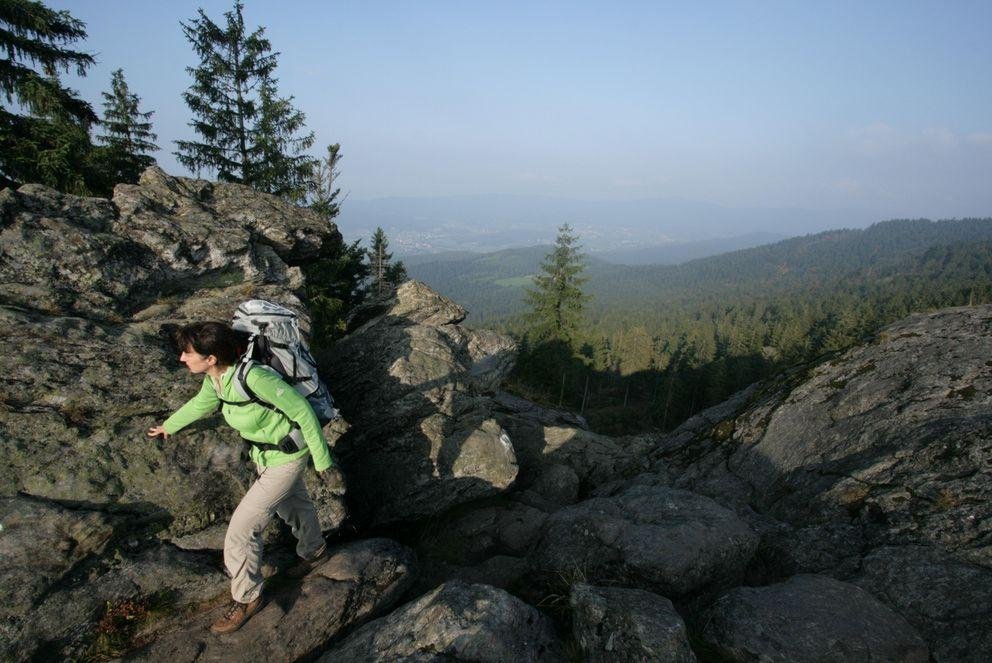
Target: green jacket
x=255, y=422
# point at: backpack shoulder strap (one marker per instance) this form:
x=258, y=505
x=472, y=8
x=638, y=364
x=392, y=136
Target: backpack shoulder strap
x=240, y=382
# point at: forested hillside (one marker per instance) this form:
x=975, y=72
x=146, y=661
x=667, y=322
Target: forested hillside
x=662, y=342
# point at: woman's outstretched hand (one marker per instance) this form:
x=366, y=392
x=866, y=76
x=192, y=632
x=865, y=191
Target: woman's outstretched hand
x=155, y=431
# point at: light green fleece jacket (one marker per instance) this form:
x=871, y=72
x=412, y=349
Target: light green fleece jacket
x=255, y=422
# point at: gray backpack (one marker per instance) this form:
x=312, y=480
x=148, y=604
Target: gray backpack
x=275, y=344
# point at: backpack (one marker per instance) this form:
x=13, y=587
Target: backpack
x=275, y=344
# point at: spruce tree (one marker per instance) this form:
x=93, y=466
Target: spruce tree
x=557, y=299
x=248, y=134
x=383, y=273
x=127, y=133
x=278, y=165
x=324, y=189
x=50, y=144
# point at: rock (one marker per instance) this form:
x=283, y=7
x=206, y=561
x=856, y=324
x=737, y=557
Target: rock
x=594, y=458
x=415, y=387
x=199, y=227
x=508, y=528
x=895, y=434
x=613, y=624
x=455, y=622
x=810, y=618
x=944, y=598
x=544, y=437
x=153, y=588
x=886, y=445
x=40, y=543
x=360, y=581
x=558, y=485
x=61, y=257
x=484, y=543
x=91, y=365
x=668, y=540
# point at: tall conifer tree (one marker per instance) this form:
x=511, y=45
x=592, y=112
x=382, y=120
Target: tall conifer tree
x=557, y=299
x=127, y=131
x=248, y=134
x=384, y=274
x=51, y=143
x=324, y=189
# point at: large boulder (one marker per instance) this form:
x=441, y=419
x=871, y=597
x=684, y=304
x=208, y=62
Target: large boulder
x=416, y=386
x=668, y=540
x=945, y=598
x=198, y=227
x=616, y=625
x=455, y=622
x=544, y=438
x=810, y=618
x=59, y=255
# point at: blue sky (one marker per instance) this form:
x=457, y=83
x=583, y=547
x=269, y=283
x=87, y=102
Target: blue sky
x=882, y=106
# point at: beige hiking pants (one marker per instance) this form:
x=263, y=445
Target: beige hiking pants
x=278, y=490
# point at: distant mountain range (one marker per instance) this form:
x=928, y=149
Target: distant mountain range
x=622, y=228
x=491, y=285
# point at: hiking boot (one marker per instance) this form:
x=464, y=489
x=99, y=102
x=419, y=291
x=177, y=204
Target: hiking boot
x=305, y=566
x=235, y=616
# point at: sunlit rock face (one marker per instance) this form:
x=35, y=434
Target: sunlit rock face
x=88, y=291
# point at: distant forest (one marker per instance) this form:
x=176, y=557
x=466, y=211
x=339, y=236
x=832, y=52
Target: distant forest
x=661, y=343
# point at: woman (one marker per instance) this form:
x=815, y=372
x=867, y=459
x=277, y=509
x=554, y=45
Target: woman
x=211, y=348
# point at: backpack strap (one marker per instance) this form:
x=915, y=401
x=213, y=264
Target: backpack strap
x=293, y=442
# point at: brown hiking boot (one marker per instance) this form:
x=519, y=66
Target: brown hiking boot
x=305, y=566
x=235, y=616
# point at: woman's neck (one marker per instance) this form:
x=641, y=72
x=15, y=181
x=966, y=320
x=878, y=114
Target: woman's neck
x=216, y=371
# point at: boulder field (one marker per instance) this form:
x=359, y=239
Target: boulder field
x=838, y=512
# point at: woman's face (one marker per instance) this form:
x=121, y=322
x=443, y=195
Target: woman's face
x=195, y=362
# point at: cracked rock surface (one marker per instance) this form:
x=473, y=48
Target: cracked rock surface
x=886, y=447
x=810, y=618
x=455, y=622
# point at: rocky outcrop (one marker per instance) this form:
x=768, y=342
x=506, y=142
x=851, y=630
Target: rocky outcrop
x=671, y=541
x=88, y=291
x=616, y=625
x=455, y=622
x=868, y=467
x=416, y=386
x=90, y=370
x=810, y=618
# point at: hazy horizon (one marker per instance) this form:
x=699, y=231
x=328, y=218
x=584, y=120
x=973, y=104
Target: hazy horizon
x=879, y=109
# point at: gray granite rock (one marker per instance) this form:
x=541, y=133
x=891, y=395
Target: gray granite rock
x=359, y=582
x=810, y=618
x=416, y=388
x=615, y=625
x=671, y=541
x=40, y=543
x=455, y=622
x=948, y=600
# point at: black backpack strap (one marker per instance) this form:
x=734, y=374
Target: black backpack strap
x=286, y=445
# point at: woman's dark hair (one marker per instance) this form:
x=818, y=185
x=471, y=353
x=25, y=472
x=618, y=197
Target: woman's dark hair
x=212, y=338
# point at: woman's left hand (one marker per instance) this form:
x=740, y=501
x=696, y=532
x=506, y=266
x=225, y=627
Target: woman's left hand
x=155, y=431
